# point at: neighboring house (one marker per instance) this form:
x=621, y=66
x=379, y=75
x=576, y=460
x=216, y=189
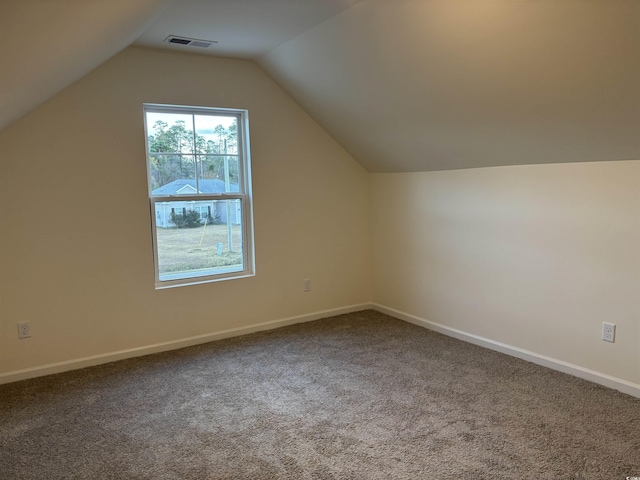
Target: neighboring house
x=215, y=208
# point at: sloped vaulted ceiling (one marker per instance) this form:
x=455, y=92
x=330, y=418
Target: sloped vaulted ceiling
x=416, y=85
x=403, y=85
x=45, y=45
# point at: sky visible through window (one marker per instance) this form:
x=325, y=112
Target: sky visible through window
x=205, y=124
x=198, y=200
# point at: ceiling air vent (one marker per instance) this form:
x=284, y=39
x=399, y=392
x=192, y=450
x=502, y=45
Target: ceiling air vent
x=191, y=42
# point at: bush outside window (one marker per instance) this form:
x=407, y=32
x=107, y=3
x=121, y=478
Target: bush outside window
x=199, y=193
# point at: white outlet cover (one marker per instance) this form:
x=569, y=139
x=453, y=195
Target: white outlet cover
x=24, y=330
x=609, y=332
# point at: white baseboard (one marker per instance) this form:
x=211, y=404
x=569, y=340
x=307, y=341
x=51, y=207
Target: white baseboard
x=565, y=367
x=624, y=386
x=84, y=362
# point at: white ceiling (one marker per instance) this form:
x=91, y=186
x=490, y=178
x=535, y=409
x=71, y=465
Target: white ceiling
x=47, y=45
x=242, y=28
x=403, y=85
x=417, y=85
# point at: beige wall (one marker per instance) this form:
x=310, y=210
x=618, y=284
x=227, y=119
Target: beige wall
x=536, y=256
x=75, y=237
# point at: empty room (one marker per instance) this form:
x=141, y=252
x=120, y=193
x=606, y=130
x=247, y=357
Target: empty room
x=319, y=239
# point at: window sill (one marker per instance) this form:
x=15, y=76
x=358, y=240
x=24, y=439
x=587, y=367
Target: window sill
x=195, y=278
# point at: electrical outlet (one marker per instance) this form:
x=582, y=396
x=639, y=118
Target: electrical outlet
x=24, y=330
x=307, y=284
x=609, y=332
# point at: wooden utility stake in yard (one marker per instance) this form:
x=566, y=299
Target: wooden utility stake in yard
x=204, y=229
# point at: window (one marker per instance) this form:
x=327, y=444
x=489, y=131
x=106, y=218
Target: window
x=200, y=193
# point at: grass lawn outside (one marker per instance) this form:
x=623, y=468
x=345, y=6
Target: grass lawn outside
x=189, y=249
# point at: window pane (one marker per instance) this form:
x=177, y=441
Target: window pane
x=212, y=173
x=194, y=158
x=170, y=132
x=217, y=134
x=198, y=238
x=172, y=174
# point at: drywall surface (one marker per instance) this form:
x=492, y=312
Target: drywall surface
x=47, y=45
x=420, y=85
x=536, y=257
x=75, y=236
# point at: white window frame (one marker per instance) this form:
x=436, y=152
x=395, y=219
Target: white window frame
x=244, y=195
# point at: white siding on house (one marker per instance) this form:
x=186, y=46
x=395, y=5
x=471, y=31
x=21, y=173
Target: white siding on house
x=218, y=209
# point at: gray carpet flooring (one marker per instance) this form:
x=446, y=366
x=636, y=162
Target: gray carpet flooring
x=358, y=396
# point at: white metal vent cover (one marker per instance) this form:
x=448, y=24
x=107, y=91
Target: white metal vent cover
x=191, y=42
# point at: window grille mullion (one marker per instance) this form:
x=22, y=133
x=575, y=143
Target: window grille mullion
x=238, y=261
x=195, y=152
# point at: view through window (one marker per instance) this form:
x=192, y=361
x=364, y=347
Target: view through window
x=200, y=193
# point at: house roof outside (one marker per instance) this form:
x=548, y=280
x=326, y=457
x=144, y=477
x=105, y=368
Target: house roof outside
x=206, y=185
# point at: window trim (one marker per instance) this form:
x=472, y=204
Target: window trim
x=244, y=195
